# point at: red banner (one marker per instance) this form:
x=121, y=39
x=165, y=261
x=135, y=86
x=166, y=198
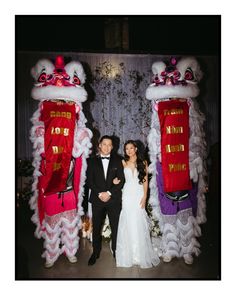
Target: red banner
x=59, y=121
x=174, y=124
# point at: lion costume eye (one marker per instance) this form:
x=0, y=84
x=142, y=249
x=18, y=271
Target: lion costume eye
x=155, y=79
x=188, y=75
x=42, y=77
x=76, y=80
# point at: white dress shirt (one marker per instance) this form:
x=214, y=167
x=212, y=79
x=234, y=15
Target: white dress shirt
x=105, y=164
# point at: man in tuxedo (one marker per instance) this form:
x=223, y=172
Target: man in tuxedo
x=105, y=195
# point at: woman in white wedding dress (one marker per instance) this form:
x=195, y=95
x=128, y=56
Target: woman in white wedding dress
x=134, y=245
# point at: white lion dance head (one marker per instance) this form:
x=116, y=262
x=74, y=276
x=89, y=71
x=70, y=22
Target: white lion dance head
x=177, y=150
x=61, y=145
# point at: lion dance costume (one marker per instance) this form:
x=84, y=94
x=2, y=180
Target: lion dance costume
x=177, y=151
x=61, y=145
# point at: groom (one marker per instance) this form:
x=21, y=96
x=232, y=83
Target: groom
x=105, y=196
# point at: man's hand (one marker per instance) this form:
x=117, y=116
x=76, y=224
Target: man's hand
x=104, y=196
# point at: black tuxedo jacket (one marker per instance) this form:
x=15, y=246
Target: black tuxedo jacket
x=96, y=179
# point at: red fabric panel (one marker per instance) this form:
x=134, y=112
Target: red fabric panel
x=59, y=121
x=55, y=204
x=174, y=124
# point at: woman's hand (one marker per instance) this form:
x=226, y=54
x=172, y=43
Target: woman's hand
x=116, y=180
x=143, y=202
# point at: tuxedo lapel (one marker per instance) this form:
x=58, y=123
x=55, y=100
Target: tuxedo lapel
x=100, y=167
x=109, y=168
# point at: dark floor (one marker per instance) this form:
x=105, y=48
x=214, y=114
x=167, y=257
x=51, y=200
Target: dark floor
x=30, y=265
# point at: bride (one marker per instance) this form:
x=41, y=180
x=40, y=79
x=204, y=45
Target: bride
x=134, y=245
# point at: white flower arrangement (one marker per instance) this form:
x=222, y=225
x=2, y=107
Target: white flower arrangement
x=106, y=230
x=155, y=230
x=154, y=224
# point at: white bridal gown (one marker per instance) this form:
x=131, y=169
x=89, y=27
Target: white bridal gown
x=134, y=245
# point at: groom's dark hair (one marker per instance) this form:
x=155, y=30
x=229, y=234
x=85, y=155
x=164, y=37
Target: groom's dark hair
x=105, y=137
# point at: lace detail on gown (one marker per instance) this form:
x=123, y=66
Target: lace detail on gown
x=134, y=245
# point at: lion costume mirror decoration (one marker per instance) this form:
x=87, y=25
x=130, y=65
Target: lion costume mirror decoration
x=61, y=145
x=177, y=150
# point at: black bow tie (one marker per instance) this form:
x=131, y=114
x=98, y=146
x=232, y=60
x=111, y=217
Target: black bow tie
x=107, y=158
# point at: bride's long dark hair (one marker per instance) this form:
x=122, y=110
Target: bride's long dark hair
x=140, y=161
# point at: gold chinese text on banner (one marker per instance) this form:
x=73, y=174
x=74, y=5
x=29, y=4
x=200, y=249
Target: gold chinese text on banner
x=59, y=121
x=174, y=124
